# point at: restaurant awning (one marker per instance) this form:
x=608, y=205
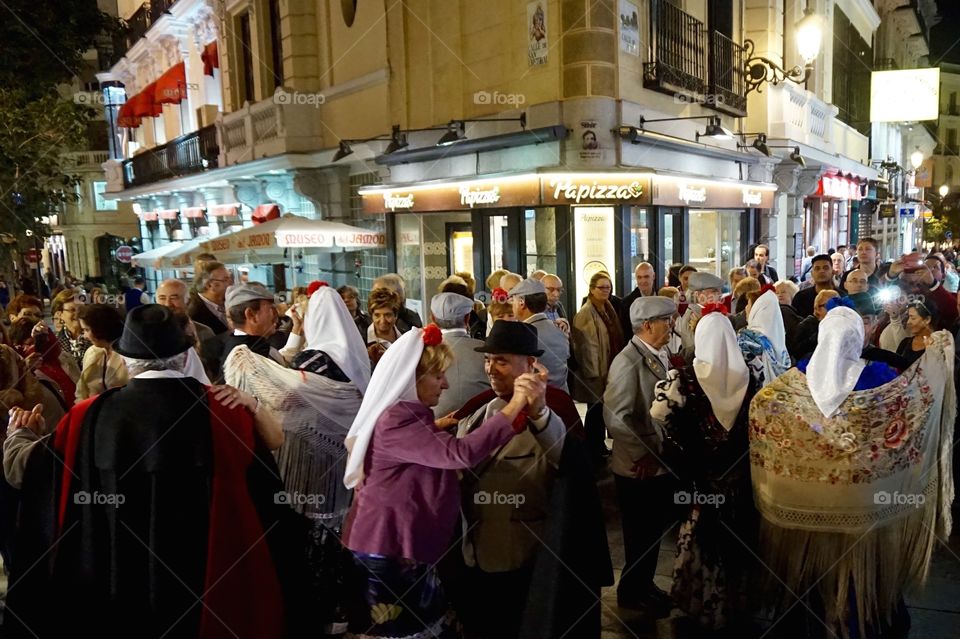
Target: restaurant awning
x=171, y=87
x=144, y=104
x=210, y=58
x=265, y=213
x=152, y=257
x=125, y=117
x=267, y=243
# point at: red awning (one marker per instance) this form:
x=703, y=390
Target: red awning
x=144, y=104
x=193, y=212
x=125, y=117
x=210, y=58
x=149, y=216
x=168, y=214
x=224, y=210
x=265, y=213
x=171, y=87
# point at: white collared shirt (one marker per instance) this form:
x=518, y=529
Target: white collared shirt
x=660, y=354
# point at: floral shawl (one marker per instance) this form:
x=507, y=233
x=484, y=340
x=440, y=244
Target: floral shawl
x=763, y=362
x=857, y=498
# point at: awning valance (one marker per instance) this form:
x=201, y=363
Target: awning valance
x=265, y=213
x=193, y=212
x=125, y=117
x=144, y=104
x=224, y=210
x=171, y=87
x=168, y=214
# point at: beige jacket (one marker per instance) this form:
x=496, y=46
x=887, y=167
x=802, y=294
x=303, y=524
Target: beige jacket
x=591, y=348
x=505, y=497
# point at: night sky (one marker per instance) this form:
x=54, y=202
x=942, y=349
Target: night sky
x=945, y=36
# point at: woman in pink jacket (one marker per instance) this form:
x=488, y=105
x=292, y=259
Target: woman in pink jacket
x=407, y=501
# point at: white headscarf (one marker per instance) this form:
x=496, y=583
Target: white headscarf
x=328, y=327
x=394, y=380
x=836, y=365
x=765, y=318
x=720, y=368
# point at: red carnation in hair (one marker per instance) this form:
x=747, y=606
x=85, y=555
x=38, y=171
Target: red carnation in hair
x=500, y=295
x=314, y=285
x=768, y=287
x=715, y=308
x=432, y=335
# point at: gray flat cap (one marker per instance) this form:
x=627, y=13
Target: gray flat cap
x=240, y=293
x=644, y=308
x=527, y=287
x=702, y=281
x=450, y=306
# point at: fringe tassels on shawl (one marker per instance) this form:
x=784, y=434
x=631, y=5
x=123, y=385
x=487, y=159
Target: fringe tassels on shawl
x=316, y=413
x=879, y=562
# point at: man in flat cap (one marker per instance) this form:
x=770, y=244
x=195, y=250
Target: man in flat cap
x=704, y=288
x=451, y=312
x=529, y=300
x=645, y=486
x=253, y=316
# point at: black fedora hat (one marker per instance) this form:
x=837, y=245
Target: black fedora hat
x=152, y=331
x=511, y=338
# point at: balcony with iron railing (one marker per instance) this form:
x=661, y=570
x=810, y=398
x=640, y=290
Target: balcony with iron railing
x=160, y=7
x=191, y=153
x=691, y=60
x=728, y=86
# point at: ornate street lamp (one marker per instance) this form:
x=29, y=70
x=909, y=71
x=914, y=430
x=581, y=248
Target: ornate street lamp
x=760, y=69
x=944, y=189
x=916, y=159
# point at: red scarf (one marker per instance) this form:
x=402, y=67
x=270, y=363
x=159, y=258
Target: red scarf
x=242, y=593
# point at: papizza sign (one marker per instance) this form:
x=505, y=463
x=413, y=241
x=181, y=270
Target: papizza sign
x=571, y=189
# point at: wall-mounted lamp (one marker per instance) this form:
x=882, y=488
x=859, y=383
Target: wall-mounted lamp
x=760, y=143
x=760, y=69
x=456, y=128
x=715, y=128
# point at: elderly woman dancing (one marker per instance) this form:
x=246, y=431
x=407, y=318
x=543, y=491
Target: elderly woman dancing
x=408, y=497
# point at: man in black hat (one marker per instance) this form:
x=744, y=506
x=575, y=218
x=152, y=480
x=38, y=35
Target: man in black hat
x=159, y=499
x=505, y=497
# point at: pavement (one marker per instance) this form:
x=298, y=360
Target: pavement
x=934, y=612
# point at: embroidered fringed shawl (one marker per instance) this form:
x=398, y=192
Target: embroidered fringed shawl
x=316, y=413
x=856, y=500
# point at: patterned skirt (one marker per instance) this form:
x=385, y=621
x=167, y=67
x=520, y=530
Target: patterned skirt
x=398, y=599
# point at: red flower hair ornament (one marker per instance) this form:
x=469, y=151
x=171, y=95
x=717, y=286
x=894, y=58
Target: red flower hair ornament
x=432, y=335
x=768, y=287
x=314, y=285
x=715, y=308
x=500, y=295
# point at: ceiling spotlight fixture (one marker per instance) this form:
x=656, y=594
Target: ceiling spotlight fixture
x=455, y=133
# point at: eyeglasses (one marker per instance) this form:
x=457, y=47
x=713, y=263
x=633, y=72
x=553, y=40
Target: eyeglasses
x=215, y=279
x=604, y=288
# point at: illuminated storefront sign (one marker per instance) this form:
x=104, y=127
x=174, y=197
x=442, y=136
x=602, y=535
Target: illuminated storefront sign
x=572, y=189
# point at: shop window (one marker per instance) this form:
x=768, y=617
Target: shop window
x=594, y=245
x=424, y=258
x=640, y=238
x=540, y=246
x=715, y=241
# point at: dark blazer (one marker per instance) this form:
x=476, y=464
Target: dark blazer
x=406, y=319
x=625, y=305
x=198, y=312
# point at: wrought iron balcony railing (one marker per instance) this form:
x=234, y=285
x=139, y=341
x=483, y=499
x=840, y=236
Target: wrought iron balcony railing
x=191, y=153
x=728, y=87
x=678, y=62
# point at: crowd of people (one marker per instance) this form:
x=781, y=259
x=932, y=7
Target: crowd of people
x=225, y=463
